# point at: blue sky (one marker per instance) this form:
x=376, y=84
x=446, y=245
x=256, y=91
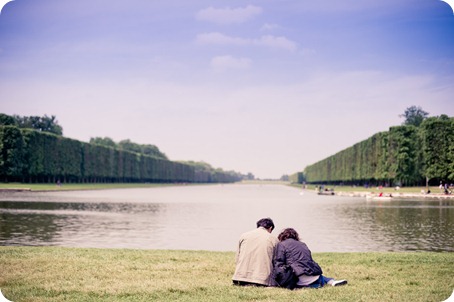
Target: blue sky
x=265, y=87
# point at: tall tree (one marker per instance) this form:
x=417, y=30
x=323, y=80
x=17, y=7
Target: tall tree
x=40, y=123
x=438, y=147
x=414, y=116
x=11, y=153
x=7, y=120
x=128, y=145
x=152, y=150
x=103, y=141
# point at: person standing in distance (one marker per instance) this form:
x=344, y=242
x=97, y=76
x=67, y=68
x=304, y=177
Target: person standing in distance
x=254, y=256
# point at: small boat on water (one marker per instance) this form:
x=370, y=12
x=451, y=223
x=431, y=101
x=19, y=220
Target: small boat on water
x=326, y=192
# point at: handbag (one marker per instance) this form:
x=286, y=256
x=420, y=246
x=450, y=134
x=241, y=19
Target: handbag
x=284, y=276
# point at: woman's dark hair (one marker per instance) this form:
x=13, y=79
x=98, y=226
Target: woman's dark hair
x=266, y=223
x=288, y=234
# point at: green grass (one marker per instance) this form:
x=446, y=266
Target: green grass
x=74, y=186
x=75, y=274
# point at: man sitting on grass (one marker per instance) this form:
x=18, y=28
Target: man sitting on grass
x=254, y=255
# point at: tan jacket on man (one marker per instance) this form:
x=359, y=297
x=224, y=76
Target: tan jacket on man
x=254, y=257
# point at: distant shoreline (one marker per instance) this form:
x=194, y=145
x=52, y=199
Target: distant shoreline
x=27, y=187
x=401, y=193
x=433, y=196
x=347, y=191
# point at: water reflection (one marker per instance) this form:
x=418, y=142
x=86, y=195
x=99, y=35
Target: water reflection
x=212, y=217
x=409, y=225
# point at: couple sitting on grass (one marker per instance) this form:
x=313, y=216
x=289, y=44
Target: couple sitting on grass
x=264, y=260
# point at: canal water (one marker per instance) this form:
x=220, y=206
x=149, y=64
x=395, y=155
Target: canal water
x=212, y=217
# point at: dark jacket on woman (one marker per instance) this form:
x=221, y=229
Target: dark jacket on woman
x=292, y=259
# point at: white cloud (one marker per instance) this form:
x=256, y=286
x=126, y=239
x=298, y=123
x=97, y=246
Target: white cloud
x=276, y=42
x=269, y=27
x=218, y=38
x=222, y=63
x=229, y=15
x=267, y=41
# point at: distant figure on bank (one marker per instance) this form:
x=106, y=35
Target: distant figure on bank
x=254, y=257
x=293, y=266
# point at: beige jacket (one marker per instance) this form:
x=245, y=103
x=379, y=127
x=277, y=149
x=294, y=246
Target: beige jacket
x=254, y=257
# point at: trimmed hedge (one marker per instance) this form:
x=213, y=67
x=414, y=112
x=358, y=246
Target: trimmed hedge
x=28, y=155
x=404, y=155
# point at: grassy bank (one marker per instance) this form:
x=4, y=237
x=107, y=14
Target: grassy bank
x=71, y=187
x=70, y=274
x=100, y=186
x=413, y=190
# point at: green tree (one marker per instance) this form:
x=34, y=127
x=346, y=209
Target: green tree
x=414, y=116
x=103, y=141
x=402, y=154
x=128, y=145
x=7, y=120
x=152, y=150
x=44, y=123
x=437, y=135
x=11, y=153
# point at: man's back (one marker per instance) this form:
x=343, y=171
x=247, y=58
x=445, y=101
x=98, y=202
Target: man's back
x=254, y=257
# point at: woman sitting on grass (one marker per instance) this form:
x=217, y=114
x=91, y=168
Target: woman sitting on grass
x=293, y=266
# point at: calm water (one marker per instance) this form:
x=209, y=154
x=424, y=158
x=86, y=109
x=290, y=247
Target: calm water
x=213, y=217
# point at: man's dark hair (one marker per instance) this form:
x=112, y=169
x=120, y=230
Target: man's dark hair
x=266, y=223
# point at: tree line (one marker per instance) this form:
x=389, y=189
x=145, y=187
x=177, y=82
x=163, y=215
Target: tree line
x=38, y=155
x=39, y=123
x=419, y=152
x=128, y=145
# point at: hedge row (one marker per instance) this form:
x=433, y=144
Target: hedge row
x=28, y=155
x=405, y=155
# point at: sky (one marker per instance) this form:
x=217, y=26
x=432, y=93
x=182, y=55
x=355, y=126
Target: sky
x=263, y=87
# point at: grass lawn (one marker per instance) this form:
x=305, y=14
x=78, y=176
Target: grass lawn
x=76, y=274
x=77, y=186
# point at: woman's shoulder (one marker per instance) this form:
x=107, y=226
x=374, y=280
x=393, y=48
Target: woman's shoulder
x=293, y=243
x=288, y=242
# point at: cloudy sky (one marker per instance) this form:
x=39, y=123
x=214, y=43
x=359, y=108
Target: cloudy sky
x=265, y=87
